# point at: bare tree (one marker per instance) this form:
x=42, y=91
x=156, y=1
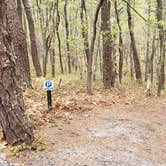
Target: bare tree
x=67, y=37
x=120, y=47
x=35, y=57
x=147, y=59
x=133, y=45
x=58, y=35
x=89, y=49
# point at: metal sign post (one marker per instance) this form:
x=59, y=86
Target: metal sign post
x=49, y=99
x=48, y=86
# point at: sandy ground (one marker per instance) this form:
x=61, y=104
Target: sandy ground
x=119, y=135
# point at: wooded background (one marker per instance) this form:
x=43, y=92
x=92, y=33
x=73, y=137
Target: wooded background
x=124, y=39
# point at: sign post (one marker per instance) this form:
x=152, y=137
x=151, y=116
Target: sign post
x=48, y=86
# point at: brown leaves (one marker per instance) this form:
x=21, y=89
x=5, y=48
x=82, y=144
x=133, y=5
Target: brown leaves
x=70, y=105
x=66, y=103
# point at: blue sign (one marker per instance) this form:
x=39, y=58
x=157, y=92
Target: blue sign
x=48, y=85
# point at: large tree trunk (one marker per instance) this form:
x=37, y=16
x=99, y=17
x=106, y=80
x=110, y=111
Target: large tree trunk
x=19, y=42
x=133, y=44
x=107, y=44
x=13, y=120
x=35, y=58
x=19, y=9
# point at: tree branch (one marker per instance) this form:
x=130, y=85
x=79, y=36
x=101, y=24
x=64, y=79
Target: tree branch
x=135, y=10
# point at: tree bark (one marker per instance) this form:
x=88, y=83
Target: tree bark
x=137, y=65
x=35, y=57
x=107, y=44
x=96, y=58
x=131, y=64
x=19, y=9
x=161, y=66
x=58, y=36
x=120, y=44
x=147, y=59
x=13, y=120
x=89, y=49
x=152, y=56
x=52, y=62
x=19, y=42
x=67, y=37
x=90, y=59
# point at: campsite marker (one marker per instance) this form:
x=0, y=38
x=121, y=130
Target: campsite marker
x=49, y=86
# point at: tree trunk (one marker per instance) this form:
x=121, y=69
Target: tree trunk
x=89, y=50
x=67, y=38
x=90, y=59
x=35, y=58
x=45, y=60
x=131, y=64
x=133, y=45
x=161, y=72
x=13, y=120
x=19, y=42
x=107, y=44
x=52, y=62
x=84, y=23
x=152, y=56
x=147, y=59
x=19, y=9
x=120, y=44
x=96, y=58
x=58, y=36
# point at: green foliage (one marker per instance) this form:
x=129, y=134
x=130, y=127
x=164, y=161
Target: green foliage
x=19, y=148
x=37, y=145
x=41, y=147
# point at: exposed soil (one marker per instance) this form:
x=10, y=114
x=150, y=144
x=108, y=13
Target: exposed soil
x=120, y=135
x=125, y=133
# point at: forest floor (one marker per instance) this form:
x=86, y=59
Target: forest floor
x=109, y=128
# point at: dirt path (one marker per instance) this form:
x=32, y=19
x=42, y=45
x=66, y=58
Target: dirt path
x=123, y=135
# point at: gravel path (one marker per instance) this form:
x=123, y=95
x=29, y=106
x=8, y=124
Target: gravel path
x=124, y=135
x=5, y=163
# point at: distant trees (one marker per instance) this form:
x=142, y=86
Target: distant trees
x=67, y=41
x=47, y=24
